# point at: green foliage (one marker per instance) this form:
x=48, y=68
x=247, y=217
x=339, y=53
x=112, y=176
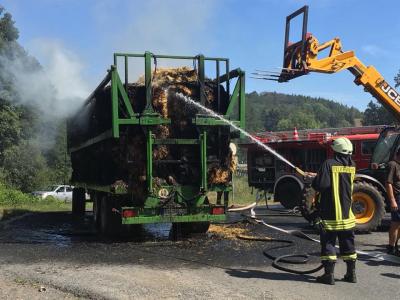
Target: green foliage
x=32, y=149
x=242, y=192
x=58, y=161
x=376, y=114
x=14, y=202
x=24, y=167
x=10, y=128
x=12, y=197
x=274, y=111
x=8, y=32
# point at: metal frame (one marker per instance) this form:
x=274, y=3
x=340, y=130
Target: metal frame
x=148, y=118
x=304, y=12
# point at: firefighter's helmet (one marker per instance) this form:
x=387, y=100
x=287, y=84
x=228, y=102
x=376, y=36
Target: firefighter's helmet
x=342, y=145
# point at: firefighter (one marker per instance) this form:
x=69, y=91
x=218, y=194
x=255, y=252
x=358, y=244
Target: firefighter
x=393, y=190
x=334, y=183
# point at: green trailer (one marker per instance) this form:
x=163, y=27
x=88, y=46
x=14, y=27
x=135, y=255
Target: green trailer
x=99, y=131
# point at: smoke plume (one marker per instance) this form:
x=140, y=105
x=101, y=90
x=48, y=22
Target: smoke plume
x=56, y=88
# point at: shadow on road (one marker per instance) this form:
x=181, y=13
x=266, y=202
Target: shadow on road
x=246, y=273
x=391, y=275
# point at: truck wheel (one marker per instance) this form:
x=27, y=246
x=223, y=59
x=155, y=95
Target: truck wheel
x=78, y=202
x=97, y=210
x=368, y=206
x=110, y=222
x=288, y=193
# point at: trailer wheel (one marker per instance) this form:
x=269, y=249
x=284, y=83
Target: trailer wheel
x=368, y=206
x=97, y=210
x=78, y=202
x=110, y=221
x=289, y=193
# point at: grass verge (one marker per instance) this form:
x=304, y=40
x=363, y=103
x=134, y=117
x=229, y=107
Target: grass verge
x=242, y=193
x=14, y=202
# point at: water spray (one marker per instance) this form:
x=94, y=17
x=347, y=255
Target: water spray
x=189, y=100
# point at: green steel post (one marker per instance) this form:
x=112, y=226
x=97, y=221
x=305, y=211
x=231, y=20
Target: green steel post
x=203, y=154
x=228, y=89
x=147, y=79
x=242, y=103
x=114, y=103
x=124, y=95
x=126, y=74
x=149, y=160
x=233, y=99
x=201, y=76
x=218, y=88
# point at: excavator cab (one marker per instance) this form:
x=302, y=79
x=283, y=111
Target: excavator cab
x=385, y=147
x=384, y=151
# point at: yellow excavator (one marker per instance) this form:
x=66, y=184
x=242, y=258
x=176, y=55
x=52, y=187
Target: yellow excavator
x=303, y=57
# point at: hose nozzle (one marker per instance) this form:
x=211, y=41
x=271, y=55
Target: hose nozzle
x=300, y=171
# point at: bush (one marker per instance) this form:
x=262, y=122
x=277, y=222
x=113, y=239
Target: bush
x=11, y=197
x=24, y=167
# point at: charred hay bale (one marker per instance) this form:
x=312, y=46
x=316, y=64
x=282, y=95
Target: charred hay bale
x=125, y=158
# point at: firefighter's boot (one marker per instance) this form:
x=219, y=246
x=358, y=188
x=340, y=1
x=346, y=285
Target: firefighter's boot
x=327, y=277
x=350, y=275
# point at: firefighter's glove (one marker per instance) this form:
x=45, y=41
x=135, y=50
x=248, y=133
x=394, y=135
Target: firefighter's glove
x=309, y=177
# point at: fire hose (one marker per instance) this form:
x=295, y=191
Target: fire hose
x=293, y=258
x=277, y=261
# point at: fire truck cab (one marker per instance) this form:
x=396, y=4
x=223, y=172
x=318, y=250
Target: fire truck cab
x=306, y=149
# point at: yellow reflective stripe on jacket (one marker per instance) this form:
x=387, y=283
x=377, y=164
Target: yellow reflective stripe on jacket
x=339, y=223
x=352, y=174
x=336, y=197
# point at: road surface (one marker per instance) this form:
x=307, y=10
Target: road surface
x=54, y=256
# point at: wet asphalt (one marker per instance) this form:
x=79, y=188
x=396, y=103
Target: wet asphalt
x=66, y=253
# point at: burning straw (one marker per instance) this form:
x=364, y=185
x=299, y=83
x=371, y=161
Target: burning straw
x=125, y=158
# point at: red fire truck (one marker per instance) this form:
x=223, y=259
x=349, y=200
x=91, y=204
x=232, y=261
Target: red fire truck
x=306, y=149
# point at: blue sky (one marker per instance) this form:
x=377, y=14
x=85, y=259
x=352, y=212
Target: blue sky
x=249, y=32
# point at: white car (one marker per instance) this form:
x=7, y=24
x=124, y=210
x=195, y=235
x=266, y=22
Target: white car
x=61, y=192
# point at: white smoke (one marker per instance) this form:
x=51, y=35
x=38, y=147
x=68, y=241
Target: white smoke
x=57, y=89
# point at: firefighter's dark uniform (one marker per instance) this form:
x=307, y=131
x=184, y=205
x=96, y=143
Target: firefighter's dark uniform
x=334, y=182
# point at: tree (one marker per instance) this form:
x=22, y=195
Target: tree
x=10, y=129
x=272, y=118
x=376, y=114
x=24, y=167
x=24, y=155
x=8, y=32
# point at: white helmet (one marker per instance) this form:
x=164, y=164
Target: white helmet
x=342, y=145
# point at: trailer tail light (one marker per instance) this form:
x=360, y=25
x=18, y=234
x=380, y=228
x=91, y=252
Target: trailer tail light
x=217, y=211
x=129, y=213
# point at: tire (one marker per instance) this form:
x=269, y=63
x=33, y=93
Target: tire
x=289, y=193
x=110, y=222
x=97, y=210
x=368, y=206
x=78, y=202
